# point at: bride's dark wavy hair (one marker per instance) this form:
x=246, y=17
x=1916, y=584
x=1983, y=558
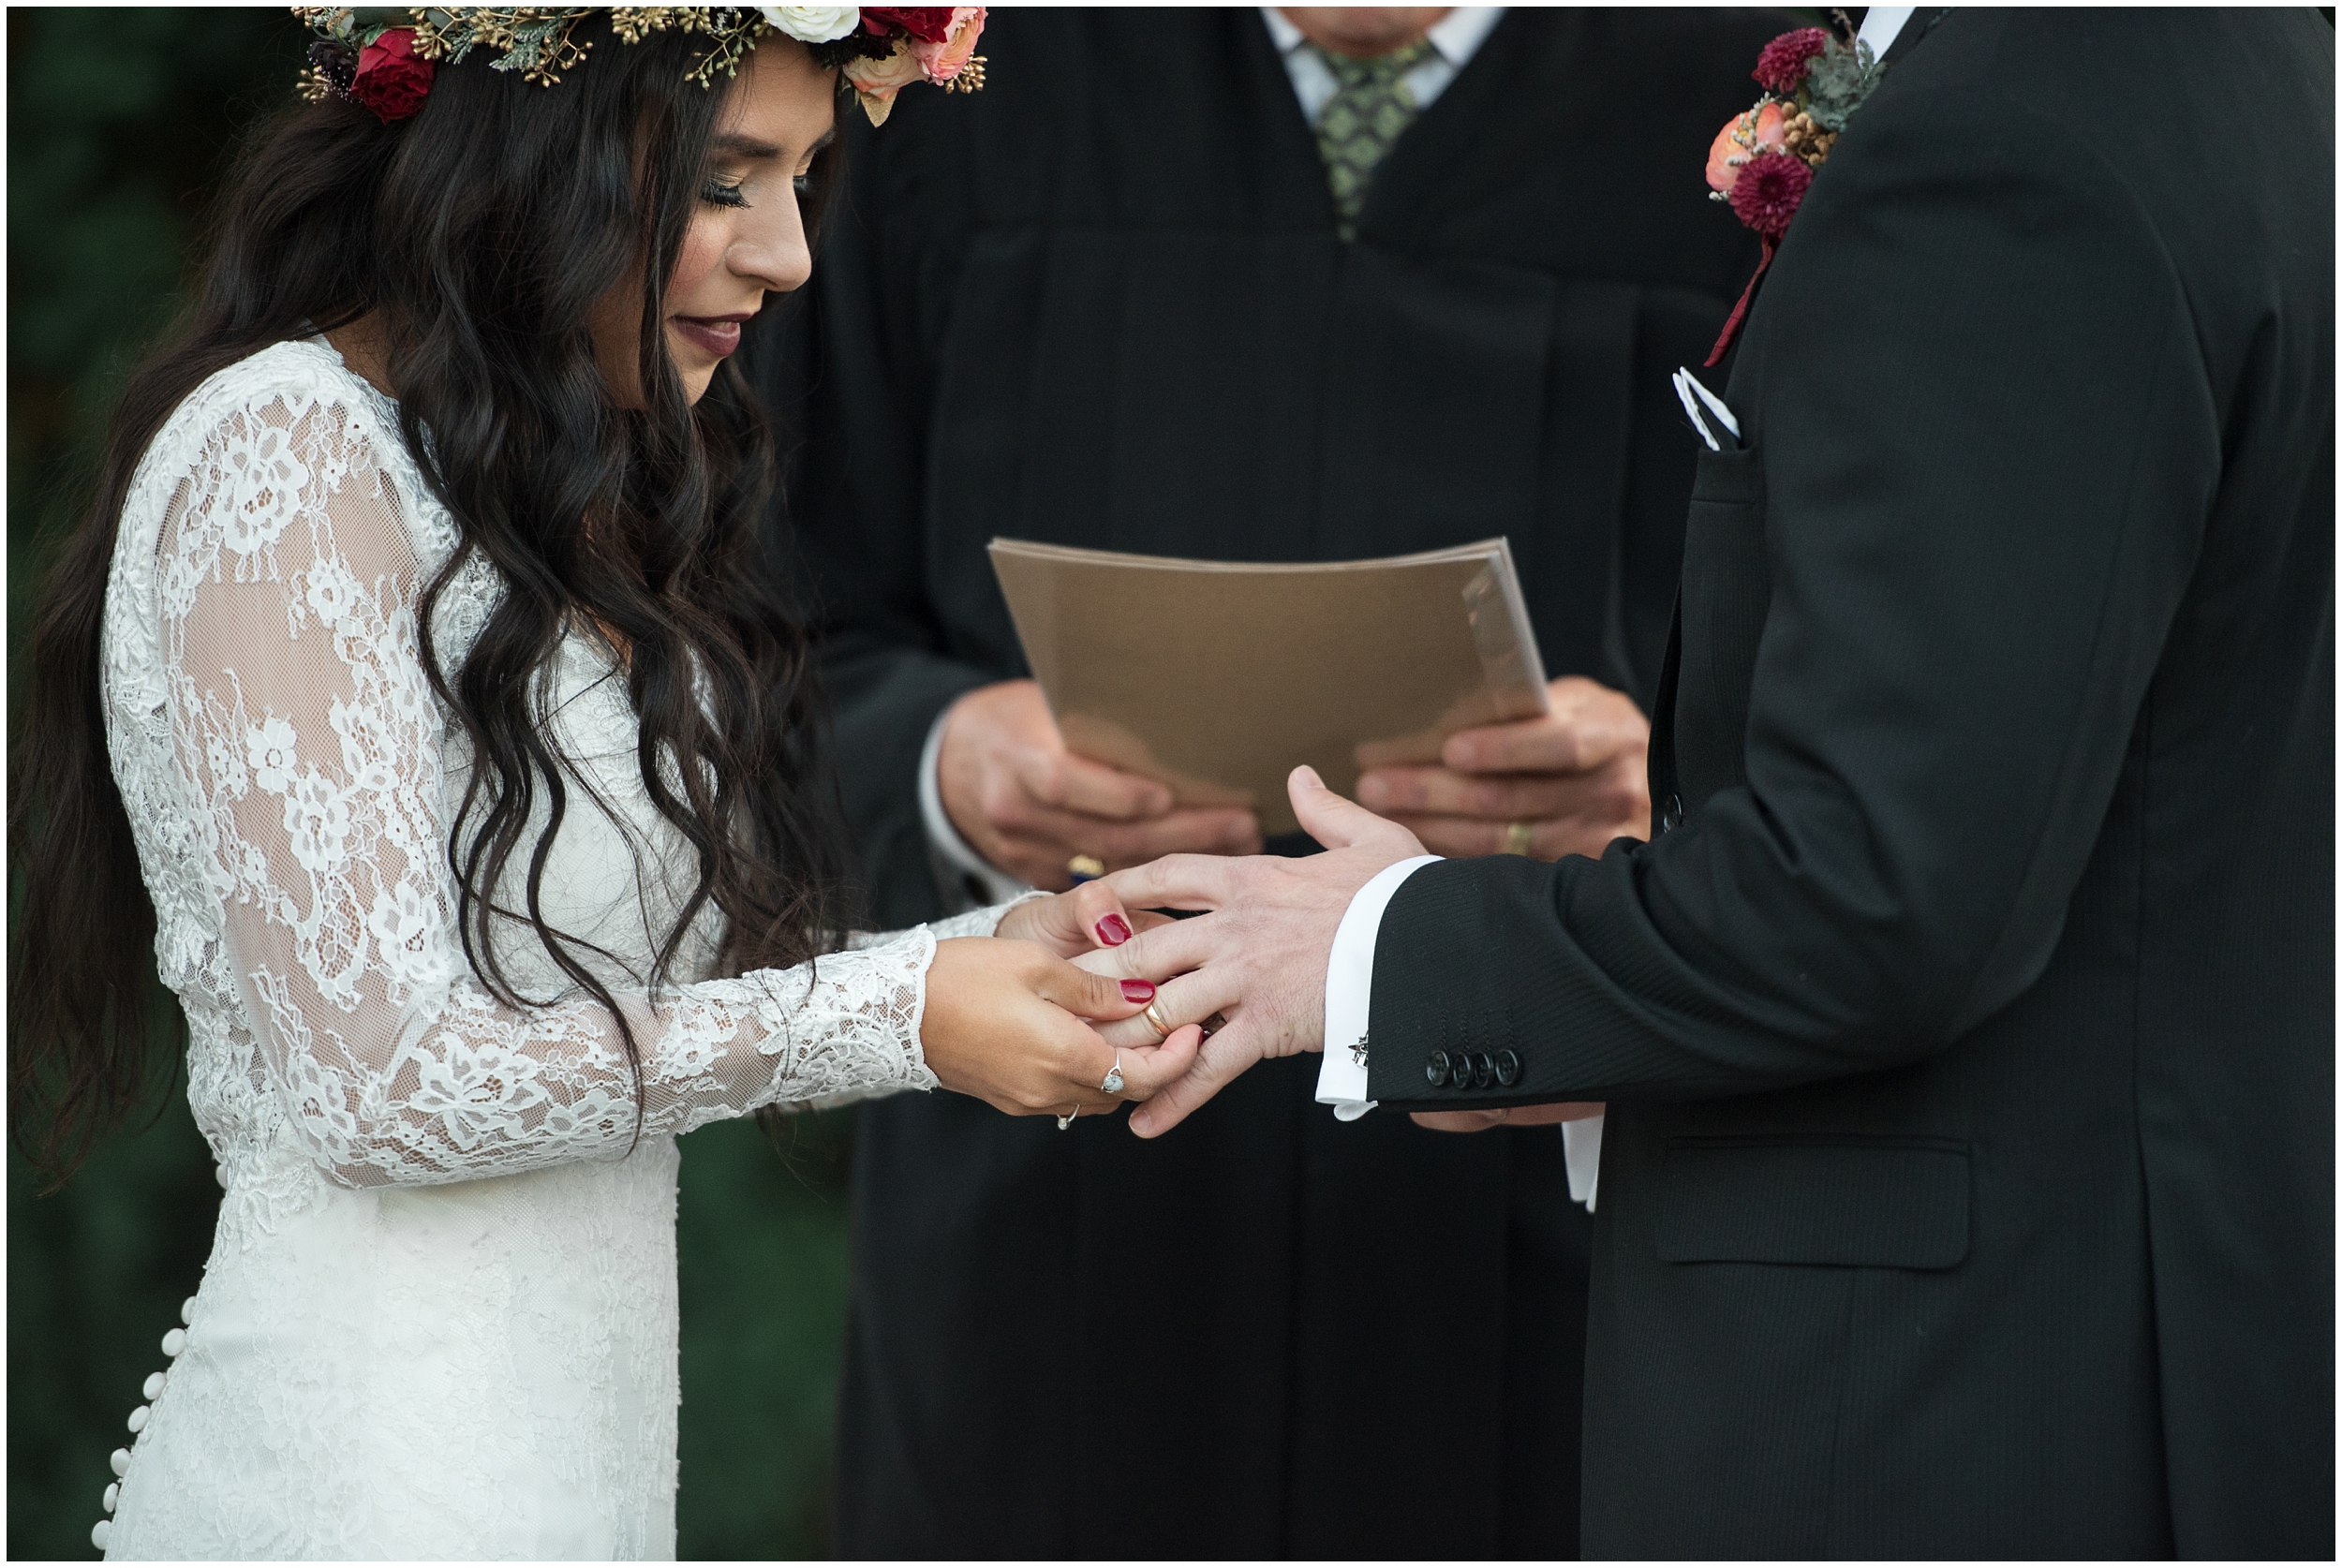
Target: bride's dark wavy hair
x=480, y=232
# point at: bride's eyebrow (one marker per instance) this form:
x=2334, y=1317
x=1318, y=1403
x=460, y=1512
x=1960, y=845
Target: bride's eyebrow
x=742, y=146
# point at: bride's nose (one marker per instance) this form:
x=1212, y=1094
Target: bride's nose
x=772, y=249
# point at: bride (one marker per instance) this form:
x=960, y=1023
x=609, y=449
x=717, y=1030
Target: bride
x=417, y=693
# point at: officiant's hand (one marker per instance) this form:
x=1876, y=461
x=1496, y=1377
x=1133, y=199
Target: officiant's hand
x=1003, y=1022
x=1028, y=805
x=1257, y=957
x=1573, y=778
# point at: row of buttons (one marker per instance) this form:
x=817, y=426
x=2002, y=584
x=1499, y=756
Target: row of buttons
x=1466, y=1070
x=119, y=1461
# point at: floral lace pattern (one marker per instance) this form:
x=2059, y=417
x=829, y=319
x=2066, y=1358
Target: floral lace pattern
x=301, y=820
x=289, y=778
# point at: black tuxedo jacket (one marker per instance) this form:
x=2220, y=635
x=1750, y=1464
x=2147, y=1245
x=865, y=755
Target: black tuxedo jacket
x=1969, y=1044
x=1102, y=303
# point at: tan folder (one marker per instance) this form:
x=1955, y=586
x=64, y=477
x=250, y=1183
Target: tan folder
x=1218, y=677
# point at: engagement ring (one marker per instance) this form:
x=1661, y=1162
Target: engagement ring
x=1114, y=1078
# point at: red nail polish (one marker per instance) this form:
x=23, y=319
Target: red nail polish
x=1139, y=990
x=1113, y=930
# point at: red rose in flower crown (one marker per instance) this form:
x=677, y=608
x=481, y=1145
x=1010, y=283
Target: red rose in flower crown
x=931, y=22
x=1764, y=159
x=391, y=79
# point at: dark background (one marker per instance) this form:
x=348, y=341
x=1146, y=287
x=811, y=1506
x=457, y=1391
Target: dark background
x=120, y=123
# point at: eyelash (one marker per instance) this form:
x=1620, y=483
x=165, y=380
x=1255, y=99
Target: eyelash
x=717, y=194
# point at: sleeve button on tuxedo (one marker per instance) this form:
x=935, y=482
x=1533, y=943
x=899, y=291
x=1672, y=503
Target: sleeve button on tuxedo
x=1435, y=1070
x=1507, y=1068
x=1671, y=813
x=1483, y=1070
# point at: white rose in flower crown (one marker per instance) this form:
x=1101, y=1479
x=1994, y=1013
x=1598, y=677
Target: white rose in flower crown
x=813, y=24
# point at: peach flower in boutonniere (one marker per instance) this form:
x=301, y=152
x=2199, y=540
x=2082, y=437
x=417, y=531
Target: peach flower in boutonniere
x=1746, y=136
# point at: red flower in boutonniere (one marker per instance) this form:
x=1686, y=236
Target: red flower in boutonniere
x=1763, y=160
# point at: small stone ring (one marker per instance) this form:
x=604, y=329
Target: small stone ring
x=1113, y=1084
x=1067, y=1120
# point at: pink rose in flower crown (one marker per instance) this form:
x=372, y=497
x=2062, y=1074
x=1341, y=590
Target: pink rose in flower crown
x=390, y=78
x=1744, y=137
x=944, y=59
x=934, y=44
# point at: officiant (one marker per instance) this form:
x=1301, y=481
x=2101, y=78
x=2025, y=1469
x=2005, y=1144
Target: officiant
x=1240, y=285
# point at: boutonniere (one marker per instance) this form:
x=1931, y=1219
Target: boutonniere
x=1763, y=160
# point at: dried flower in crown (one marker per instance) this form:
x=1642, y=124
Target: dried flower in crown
x=385, y=57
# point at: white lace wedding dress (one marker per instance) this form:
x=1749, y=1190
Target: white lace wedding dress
x=439, y=1316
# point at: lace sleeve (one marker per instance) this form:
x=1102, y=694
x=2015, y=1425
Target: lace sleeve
x=302, y=719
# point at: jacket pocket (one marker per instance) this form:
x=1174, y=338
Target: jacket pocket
x=1864, y=1203
x=1728, y=593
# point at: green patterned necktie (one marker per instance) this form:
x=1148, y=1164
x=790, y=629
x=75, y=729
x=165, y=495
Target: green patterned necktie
x=1360, y=122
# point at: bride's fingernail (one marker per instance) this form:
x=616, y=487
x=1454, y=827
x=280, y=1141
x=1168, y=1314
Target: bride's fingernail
x=1113, y=931
x=1139, y=990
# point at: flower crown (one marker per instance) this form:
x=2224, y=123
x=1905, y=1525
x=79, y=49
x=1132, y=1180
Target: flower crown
x=385, y=57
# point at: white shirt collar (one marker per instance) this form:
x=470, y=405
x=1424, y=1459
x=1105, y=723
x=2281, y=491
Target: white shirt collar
x=1457, y=36
x=1881, y=27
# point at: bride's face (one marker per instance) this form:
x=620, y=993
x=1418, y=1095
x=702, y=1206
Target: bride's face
x=746, y=237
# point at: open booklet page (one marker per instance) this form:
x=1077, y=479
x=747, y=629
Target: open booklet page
x=1218, y=677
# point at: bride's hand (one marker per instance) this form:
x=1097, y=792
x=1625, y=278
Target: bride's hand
x=1071, y=923
x=1003, y=1022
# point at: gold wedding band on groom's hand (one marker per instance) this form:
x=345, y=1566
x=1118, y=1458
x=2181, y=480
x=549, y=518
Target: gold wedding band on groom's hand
x=1156, y=1022
x=1517, y=838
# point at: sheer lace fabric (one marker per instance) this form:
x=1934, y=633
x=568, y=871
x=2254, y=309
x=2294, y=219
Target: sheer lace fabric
x=440, y=1315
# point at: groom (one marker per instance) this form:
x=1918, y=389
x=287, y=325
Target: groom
x=1966, y=1028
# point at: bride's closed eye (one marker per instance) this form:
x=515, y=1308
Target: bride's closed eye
x=718, y=193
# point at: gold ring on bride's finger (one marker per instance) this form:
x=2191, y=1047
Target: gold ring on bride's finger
x=1517, y=838
x=1114, y=1078
x=1156, y=1022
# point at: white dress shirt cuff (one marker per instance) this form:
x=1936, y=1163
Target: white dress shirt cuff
x=952, y=851
x=1582, y=1153
x=1350, y=991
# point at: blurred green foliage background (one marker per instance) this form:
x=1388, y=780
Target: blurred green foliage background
x=120, y=121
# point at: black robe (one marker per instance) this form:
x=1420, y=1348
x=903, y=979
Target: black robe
x=1102, y=303
x=1968, y=1190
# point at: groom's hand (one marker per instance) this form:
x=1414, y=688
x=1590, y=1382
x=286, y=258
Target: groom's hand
x=1573, y=778
x=1258, y=955
x=1028, y=805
